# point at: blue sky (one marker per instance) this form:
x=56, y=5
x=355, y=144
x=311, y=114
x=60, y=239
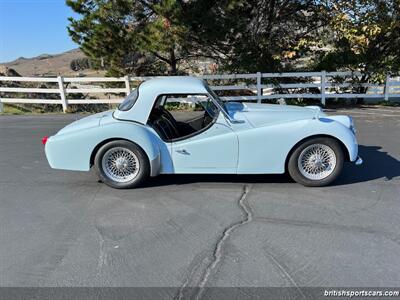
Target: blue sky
x=31, y=27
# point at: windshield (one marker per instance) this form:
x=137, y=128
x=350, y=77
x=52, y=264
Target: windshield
x=129, y=101
x=208, y=105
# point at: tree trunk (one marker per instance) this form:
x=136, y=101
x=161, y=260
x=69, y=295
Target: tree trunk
x=173, y=63
x=362, y=89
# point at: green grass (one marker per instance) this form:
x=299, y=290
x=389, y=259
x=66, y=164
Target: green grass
x=24, y=109
x=34, y=109
x=389, y=103
x=14, y=110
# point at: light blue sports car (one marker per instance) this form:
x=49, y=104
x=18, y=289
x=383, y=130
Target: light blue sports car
x=179, y=125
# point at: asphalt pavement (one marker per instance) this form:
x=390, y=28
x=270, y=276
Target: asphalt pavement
x=62, y=228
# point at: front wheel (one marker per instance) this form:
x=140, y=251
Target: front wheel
x=316, y=162
x=121, y=164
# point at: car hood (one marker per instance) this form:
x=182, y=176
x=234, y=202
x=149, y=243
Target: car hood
x=262, y=114
x=85, y=123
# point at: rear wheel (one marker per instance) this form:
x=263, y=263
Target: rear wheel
x=316, y=162
x=121, y=164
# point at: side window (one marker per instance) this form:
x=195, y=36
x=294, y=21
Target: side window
x=189, y=107
x=129, y=101
x=179, y=116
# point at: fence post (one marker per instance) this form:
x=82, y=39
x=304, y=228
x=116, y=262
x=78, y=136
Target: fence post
x=323, y=87
x=127, y=85
x=259, y=90
x=62, y=93
x=387, y=87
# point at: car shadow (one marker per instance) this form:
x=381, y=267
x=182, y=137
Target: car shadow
x=377, y=164
x=181, y=179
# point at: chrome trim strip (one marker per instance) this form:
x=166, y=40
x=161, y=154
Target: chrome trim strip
x=359, y=161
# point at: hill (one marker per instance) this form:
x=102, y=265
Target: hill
x=50, y=65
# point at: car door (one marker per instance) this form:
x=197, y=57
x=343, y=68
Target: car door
x=214, y=150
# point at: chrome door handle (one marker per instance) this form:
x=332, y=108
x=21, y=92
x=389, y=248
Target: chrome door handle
x=183, y=151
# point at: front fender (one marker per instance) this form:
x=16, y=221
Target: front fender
x=331, y=128
x=340, y=128
x=265, y=149
x=73, y=150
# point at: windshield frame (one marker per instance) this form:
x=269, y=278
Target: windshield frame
x=217, y=100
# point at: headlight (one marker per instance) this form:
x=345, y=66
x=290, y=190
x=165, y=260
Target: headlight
x=352, y=126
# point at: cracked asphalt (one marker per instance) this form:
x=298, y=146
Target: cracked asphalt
x=61, y=228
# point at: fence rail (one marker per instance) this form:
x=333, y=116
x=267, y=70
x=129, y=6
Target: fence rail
x=325, y=85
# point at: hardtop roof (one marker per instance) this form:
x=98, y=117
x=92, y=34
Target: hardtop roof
x=149, y=90
x=174, y=84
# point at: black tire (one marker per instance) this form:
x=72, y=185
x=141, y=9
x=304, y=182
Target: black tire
x=144, y=165
x=293, y=166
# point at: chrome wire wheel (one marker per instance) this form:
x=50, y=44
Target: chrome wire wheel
x=317, y=161
x=120, y=164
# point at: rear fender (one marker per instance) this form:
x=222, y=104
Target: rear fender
x=73, y=150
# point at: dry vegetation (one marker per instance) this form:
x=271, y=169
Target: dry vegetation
x=50, y=65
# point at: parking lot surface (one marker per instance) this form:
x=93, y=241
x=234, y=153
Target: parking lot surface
x=62, y=228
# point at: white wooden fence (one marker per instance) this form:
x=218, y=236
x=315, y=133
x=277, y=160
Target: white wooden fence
x=320, y=85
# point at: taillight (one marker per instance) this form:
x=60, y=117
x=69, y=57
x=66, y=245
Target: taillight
x=44, y=140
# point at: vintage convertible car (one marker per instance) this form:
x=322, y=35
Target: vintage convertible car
x=177, y=125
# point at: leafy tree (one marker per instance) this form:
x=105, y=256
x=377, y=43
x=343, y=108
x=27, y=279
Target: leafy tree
x=161, y=36
x=79, y=64
x=254, y=35
x=365, y=36
x=134, y=36
x=242, y=35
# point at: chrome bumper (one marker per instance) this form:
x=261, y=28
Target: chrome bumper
x=358, y=161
